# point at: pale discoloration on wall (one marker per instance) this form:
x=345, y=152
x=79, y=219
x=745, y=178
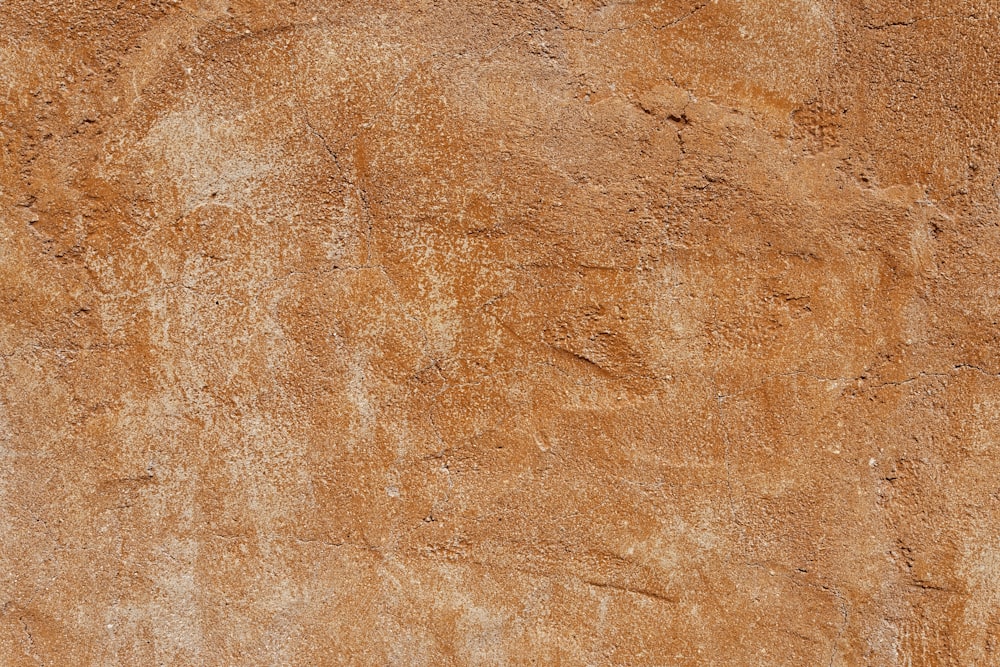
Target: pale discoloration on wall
x=462, y=333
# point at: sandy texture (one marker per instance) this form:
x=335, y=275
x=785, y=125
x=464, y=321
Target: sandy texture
x=499, y=333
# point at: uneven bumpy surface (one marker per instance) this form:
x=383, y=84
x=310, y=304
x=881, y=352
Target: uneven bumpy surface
x=484, y=332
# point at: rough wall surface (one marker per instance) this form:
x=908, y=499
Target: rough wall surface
x=488, y=332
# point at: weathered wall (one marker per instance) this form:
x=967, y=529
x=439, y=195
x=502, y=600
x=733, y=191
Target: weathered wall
x=483, y=333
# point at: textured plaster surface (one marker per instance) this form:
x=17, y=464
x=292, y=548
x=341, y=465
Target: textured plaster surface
x=499, y=333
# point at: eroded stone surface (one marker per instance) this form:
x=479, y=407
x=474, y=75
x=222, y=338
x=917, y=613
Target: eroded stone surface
x=426, y=333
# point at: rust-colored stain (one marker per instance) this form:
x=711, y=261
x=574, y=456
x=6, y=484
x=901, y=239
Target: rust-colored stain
x=499, y=333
